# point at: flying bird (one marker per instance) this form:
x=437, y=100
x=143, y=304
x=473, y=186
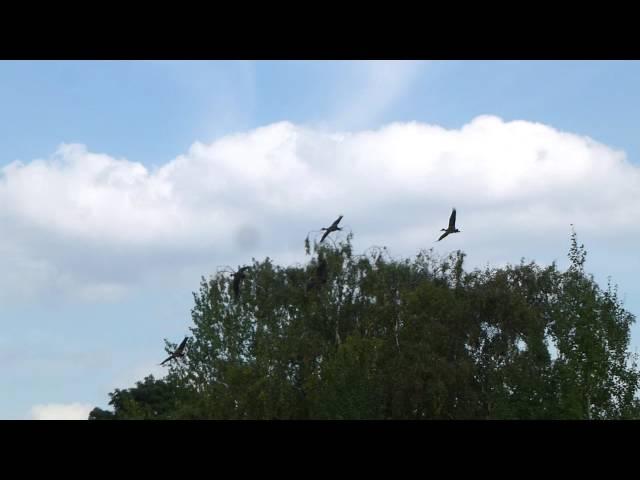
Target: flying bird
x=237, y=278
x=178, y=352
x=452, y=226
x=334, y=227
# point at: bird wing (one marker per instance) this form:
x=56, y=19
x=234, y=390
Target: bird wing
x=335, y=224
x=181, y=346
x=327, y=232
x=452, y=220
x=167, y=359
x=443, y=235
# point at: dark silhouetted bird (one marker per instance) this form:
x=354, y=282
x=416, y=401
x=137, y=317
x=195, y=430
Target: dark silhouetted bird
x=452, y=226
x=334, y=227
x=178, y=352
x=237, y=278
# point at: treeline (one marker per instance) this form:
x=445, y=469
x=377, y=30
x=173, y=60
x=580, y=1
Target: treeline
x=369, y=337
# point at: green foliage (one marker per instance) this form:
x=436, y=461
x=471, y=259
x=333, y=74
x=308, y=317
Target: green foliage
x=368, y=337
x=149, y=399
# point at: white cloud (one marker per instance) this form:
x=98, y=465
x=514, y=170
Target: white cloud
x=61, y=411
x=93, y=225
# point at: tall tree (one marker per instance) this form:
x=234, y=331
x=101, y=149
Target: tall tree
x=350, y=336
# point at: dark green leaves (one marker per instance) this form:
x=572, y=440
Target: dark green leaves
x=365, y=336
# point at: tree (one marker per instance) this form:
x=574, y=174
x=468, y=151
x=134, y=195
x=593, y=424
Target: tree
x=595, y=375
x=367, y=336
x=149, y=399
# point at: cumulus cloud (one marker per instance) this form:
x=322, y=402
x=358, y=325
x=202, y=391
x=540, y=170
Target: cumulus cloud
x=93, y=224
x=61, y=411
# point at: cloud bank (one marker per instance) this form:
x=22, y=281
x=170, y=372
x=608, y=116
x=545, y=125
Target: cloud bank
x=92, y=226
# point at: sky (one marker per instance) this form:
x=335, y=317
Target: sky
x=123, y=182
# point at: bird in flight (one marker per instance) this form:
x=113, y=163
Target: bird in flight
x=452, y=226
x=178, y=352
x=334, y=226
x=237, y=278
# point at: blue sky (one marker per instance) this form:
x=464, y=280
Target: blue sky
x=91, y=289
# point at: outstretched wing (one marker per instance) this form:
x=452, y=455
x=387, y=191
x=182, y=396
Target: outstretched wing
x=181, y=346
x=327, y=232
x=167, y=359
x=443, y=235
x=335, y=224
x=452, y=220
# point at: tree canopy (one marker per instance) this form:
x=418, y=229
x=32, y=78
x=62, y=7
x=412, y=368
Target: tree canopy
x=349, y=336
